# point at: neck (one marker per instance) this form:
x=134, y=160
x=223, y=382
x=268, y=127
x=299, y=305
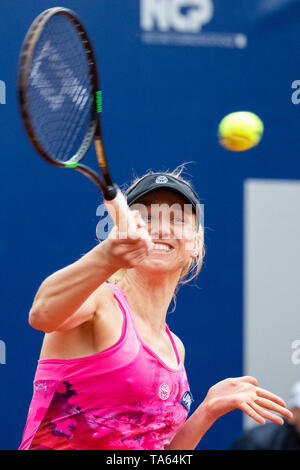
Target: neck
x=150, y=297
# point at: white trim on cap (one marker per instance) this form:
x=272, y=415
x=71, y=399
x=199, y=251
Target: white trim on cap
x=161, y=179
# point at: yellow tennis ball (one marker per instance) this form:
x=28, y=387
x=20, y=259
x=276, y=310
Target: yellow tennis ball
x=240, y=131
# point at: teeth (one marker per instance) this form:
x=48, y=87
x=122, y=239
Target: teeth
x=161, y=246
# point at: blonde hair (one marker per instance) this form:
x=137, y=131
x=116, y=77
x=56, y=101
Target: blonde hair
x=193, y=267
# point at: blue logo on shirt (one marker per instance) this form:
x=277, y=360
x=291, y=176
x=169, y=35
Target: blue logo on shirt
x=187, y=400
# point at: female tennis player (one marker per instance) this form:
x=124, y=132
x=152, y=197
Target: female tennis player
x=111, y=374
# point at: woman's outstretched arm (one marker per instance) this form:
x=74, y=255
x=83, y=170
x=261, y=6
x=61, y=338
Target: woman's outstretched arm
x=64, y=292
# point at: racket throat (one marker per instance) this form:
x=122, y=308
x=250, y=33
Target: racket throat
x=100, y=153
x=109, y=188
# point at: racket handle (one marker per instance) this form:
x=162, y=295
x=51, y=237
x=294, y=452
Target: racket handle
x=120, y=213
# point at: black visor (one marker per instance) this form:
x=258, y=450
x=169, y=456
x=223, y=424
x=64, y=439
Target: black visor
x=156, y=181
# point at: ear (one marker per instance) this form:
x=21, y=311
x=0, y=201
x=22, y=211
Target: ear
x=198, y=241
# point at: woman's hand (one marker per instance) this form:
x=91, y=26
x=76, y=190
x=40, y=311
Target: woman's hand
x=243, y=393
x=130, y=251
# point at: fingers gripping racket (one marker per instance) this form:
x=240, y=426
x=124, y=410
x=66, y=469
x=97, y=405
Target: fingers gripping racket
x=61, y=101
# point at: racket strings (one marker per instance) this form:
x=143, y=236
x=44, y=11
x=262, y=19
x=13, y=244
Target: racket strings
x=69, y=133
x=60, y=91
x=72, y=124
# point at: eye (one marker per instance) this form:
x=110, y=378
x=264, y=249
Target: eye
x=147, y=218
x=177, y=219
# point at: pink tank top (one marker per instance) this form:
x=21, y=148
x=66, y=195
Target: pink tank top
x=125, y=397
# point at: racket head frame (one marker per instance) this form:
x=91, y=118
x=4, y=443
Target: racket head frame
x=29, y=43
x=94, y=130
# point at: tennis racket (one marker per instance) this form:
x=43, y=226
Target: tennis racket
x=60, y=101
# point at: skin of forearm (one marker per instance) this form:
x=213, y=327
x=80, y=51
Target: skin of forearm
x=192, y=431
x=63, y=292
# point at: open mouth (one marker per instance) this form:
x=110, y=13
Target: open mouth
x=162, y=247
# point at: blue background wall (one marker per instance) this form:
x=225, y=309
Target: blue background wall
x=162, y=105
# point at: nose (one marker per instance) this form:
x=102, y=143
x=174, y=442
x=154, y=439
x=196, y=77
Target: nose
x=160, y=227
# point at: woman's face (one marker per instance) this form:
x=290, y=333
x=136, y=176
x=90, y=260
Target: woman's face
x=171, y=224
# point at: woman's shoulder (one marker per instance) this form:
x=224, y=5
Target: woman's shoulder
x=107, y=306
x=94, y=327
